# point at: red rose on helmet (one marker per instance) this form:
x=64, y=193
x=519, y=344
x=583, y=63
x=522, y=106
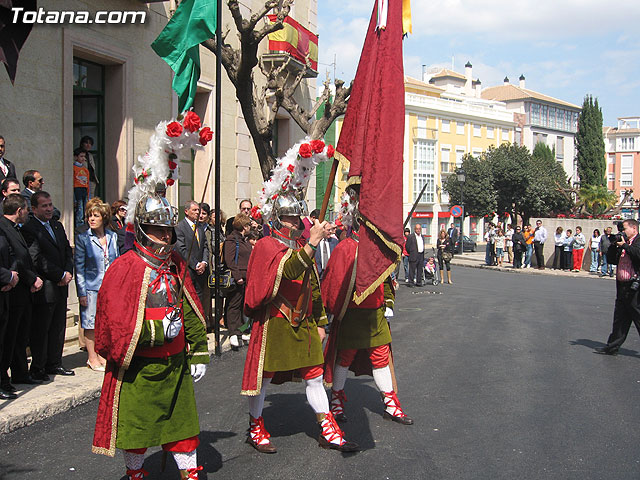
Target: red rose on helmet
x=305, y=150
x=330, y=151
x=170, y=182
x=174, y=129
x=205, y=136
x=191, y=121
x=291, y=168
x=317, y=145
x=172, y=165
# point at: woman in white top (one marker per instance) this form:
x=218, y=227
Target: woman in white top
x=594, y=246
x=499, y=241
x=559, y=251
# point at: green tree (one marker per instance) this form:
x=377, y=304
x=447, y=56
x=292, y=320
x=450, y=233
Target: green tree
x=597, y=199
x=510, y=179
x=479, y=194
x=590, y=144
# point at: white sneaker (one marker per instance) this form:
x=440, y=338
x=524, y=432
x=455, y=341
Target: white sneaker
x=245, y=337
x=233, y=340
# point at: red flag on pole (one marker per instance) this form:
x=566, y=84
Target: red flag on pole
x=372, y=142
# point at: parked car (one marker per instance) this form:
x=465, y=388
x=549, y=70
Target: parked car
x=469, y=245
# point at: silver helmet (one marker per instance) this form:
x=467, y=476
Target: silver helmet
x=154, y=209
x=288, y=204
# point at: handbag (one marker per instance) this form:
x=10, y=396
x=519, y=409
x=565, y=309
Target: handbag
x=447, y=256
x=227, y=283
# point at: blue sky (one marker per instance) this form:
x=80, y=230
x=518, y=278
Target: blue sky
x=565, y=48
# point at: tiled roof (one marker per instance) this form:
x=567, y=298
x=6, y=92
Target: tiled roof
x=449, y=73
x=505, y=93
x=417, y=83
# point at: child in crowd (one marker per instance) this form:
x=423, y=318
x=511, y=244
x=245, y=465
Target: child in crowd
x=499, y=241
x=80, y=185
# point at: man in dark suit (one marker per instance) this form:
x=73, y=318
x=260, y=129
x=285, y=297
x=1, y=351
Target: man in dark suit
x=33, y=182
x=626, y=254
x=325, y=247
x=16, y=339
x=453, y=234
x=8, y=279
x=7, y=187
x=53, y=259
x=186, y=230
x=415, y=249
x=7, y=169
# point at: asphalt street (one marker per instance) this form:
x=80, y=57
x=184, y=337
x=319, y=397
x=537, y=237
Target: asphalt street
x=497, y=371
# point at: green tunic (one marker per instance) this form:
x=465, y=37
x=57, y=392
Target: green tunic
x=157, y=403
x=366, y=327
x=288, y=347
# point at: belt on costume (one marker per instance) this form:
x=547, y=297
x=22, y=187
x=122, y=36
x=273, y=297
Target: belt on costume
x=282, y=308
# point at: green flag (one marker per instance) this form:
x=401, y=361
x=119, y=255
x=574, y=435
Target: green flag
x=193, y=22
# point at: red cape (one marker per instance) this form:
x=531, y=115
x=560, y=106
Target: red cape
x=264, y=274
x=119, y=316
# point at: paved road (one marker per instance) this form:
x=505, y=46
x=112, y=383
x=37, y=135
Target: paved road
x=497, y=371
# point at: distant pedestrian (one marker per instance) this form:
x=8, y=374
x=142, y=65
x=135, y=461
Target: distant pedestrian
x=594, y=248
x=445, y=254
x=579, y=242
x=405, y=255
x=489, y=237
x=568, y=250
x=415, y=248
x=519, y=246
x=539, y=239
x=605, y=267
x=500, y=241
x=528, y=239
x=86, y=143
x=508, y=235
x=558, y=239
x=80, y=185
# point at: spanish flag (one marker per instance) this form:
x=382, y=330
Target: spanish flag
x=295, y=40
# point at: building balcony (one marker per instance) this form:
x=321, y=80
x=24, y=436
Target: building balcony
x=273, y=60
x=462, y=109
x=421, y=133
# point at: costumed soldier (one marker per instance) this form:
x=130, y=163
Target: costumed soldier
x=153, y=342
x=360, y=338
x=283, y=298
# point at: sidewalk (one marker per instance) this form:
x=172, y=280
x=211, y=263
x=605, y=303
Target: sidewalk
x=37, y=402
x=476, y=260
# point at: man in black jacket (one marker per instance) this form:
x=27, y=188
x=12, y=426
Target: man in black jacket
x=7, y=169
x=626, y=254
x=415, y=249
x=199, y=256
x=8, y=280
x=53, y=259
x=16, y=339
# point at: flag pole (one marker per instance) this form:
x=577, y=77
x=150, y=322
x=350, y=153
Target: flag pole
x=218, y=218
x=327, y=192
x=415, y=205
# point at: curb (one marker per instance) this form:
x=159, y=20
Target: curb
x=527, y=271
x=39, y=402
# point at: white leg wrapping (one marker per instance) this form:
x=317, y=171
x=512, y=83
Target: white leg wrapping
x=382, y=377
x=316, y=396
x=339, y=377
x=256, y=404
x=133, y=461
x=185, y=461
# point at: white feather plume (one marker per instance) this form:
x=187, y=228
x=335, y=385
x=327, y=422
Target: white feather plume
x=292, y=173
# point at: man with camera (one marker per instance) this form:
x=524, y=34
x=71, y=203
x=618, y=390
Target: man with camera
x=625, y=252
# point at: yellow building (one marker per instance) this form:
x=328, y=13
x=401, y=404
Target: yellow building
x=445, y=118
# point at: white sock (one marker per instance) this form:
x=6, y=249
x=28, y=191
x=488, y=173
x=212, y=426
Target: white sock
x=316, y=395
x=185, y=460
x=382, y=377
x=133, y=461
x=339, y=377
x=256, y=404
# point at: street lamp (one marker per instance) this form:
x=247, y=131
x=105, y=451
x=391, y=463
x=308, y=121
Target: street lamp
x=462, y=178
